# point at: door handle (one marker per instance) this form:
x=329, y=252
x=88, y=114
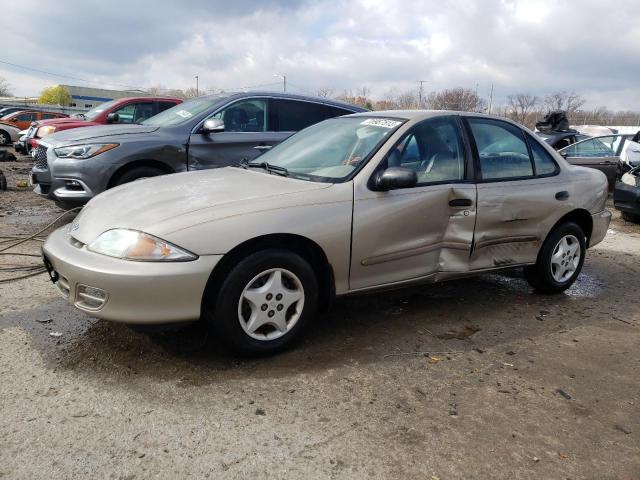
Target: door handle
x=263, y=147
x=563, y=195
x=460, y=202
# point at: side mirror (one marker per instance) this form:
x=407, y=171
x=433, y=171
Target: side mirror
x=113, y=118
x=395, y=177
x=564, y=155
x=213, y=125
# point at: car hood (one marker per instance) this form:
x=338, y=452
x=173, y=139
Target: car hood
x=77, y=135
x=170, y=203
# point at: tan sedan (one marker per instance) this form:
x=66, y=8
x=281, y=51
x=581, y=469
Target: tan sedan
x=354, y=204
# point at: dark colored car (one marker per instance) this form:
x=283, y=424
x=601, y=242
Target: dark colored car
x=626, y=195
x=559, y=140
x=7, y=110
x=205, y=132
x=120, y=110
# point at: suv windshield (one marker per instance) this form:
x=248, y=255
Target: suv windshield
x=183, y=112
x=332, y=150
x=97, y=110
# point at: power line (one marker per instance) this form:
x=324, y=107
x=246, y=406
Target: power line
x=61, y=75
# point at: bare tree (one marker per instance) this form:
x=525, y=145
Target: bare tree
x=359, y=97
x=407, y=101
x=324, y=92
x=571, y=102
x=462, y=99
x=5, y=88
x=520, y=106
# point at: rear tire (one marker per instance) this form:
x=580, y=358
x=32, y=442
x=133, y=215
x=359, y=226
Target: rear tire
x=265, y=303
x=5, y=139
x=137, y=173
x=559, y=261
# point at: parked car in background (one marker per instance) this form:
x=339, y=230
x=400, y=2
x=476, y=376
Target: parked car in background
x=354, y=204
x=7, y=110
x=601, y=153
x=205, y=132
x=626, y=195
x=23, y=119
x=8, y=134
x=119, y=111
x=559, y=140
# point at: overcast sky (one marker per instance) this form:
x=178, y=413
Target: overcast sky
x=591, y=47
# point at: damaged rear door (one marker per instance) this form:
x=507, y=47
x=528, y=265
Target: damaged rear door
x=411, y=233
x=518, y=189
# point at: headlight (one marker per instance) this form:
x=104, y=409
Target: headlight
x=629, y=179
x=135, y=245
x=46, y=130
x=82, y=152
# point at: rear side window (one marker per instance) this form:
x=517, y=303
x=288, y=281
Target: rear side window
x=543, y=162
x=294, y=115
x=502, y=149
x=46, y=116
x=162, y=106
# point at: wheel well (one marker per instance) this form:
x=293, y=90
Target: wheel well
x=138, y=163
x=580, y=217
x=306, y=248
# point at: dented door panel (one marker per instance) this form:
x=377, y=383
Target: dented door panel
x=513, y=220
x=410, y=233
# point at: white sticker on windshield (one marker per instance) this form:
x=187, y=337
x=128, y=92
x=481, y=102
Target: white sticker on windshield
x=381, y=122
x=184, y=114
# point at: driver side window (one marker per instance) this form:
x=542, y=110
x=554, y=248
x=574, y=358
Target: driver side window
x=594, y=147
x=245, y=116
x=434, y=149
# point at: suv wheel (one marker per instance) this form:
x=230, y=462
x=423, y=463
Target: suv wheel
x=5, y=139
x=137, y=173
x=559, y=261
x=265, y=302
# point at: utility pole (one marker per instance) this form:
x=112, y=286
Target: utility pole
x=420, y=92
x=490, y=98
x=197, y=94
x=284, y=81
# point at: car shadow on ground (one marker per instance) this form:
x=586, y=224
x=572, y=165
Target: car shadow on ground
x=480, y=313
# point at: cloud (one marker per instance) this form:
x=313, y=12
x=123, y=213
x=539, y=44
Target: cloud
x=516, y=45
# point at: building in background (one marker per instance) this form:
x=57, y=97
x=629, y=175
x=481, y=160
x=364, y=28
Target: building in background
x=87, y=97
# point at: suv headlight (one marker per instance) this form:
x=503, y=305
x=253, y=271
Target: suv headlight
x=135, y=245
x=46, y=130
x=82, y=152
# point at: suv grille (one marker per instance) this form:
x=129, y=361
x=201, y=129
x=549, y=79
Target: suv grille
x=40, y=160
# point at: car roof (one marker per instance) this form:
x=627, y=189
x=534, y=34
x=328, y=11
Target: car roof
x=418, y=115
x=290, y=96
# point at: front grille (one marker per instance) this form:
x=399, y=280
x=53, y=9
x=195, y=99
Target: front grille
x=40, y=159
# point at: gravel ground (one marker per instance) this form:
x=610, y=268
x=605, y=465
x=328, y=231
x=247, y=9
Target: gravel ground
x=534, y=387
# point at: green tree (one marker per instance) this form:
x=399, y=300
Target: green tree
x=56, y=95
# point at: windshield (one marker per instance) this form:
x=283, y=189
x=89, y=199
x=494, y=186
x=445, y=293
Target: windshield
x=332, y=150
x=183, y=112
x=97, y=110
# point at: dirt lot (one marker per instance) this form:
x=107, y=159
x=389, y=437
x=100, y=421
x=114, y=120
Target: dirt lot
x=544, y=387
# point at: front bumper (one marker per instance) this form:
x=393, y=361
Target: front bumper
x=135, y=292
x=65, y=179
x=601, y=222
x=626, y=198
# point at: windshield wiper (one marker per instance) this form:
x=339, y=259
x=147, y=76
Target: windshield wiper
x=244, y=163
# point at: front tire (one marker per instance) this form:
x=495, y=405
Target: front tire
x=265, y=303
x=559, y=261
x=137, y=173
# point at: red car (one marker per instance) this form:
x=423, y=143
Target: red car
x=121, y=110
